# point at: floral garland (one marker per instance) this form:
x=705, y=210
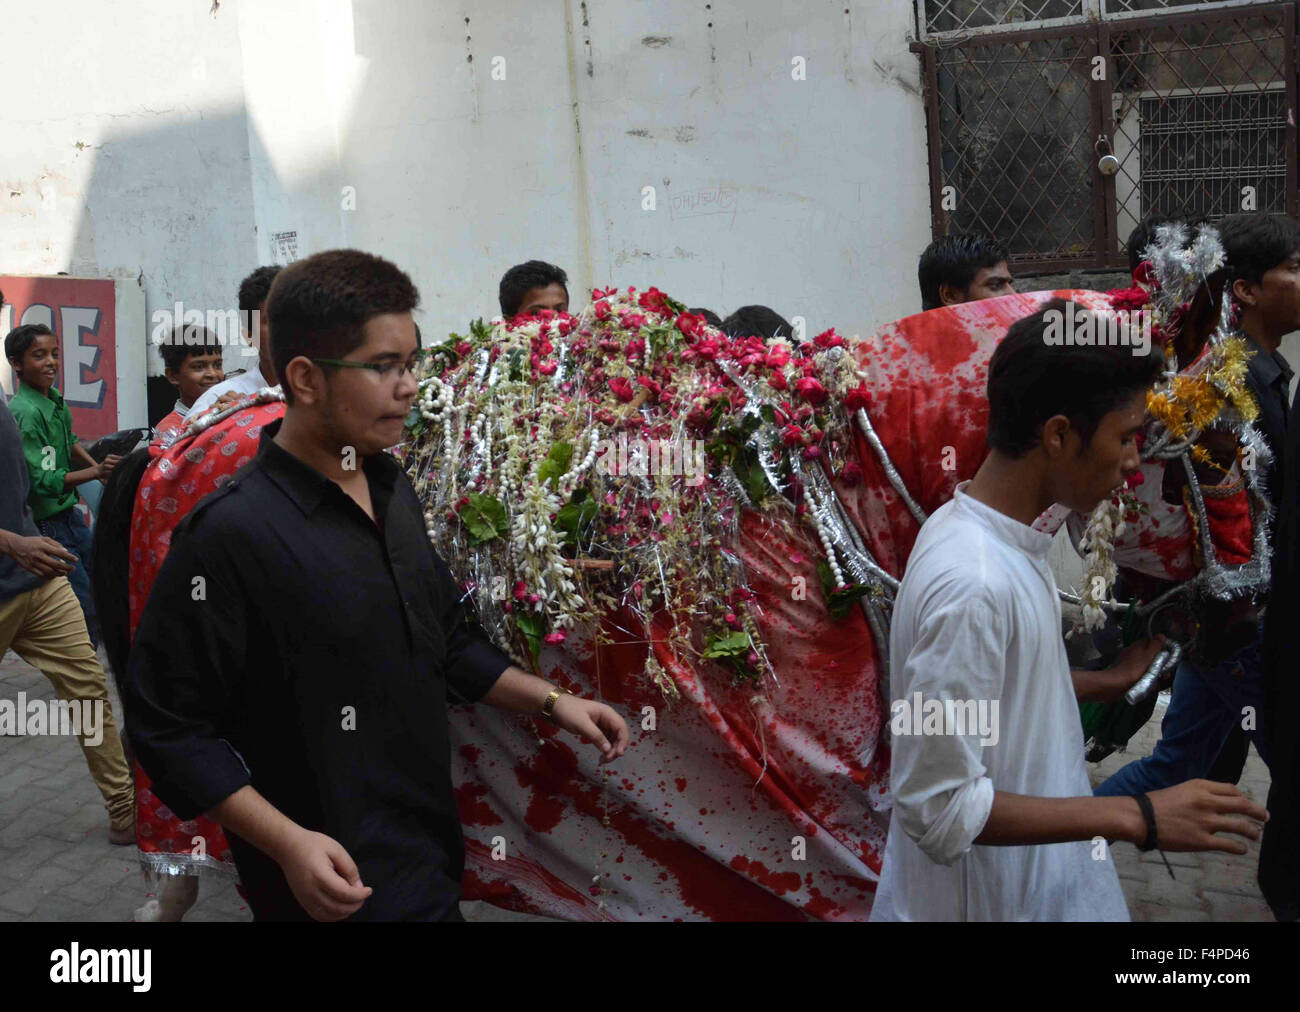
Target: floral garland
x=578, y=467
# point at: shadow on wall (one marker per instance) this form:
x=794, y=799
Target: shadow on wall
x=173, y=207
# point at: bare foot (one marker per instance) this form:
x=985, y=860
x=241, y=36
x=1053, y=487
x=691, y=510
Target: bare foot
x=177, y=895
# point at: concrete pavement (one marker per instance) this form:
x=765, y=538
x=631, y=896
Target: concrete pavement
x=56, y=863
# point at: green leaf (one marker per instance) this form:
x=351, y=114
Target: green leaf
x=515, y=365
x=484, y=518
x=721, y=450
x=556, y=464
x=751, y=475
x=576, y=517
x=480, y=331
x=732, y=645
x=842, y=601
x=768, y=413
x=446, y=352
x=533, y=627
x=658, y=340
x=839, y=602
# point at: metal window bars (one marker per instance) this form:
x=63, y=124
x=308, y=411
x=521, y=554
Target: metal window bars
x=1195, y=102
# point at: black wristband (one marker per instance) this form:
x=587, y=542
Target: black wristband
x=1149, y=814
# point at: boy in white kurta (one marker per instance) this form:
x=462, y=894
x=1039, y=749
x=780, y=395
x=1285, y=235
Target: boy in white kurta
x=978, y=618
x=996, y=821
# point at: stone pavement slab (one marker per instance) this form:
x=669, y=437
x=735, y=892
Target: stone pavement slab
x=56, y=863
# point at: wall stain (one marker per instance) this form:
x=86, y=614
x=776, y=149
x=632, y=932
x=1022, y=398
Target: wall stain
x=657, y=41
x=585, y=271
x=586, y=39
x=473, y=79
x=890, y=75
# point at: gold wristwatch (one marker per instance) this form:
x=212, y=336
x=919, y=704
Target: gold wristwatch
x=548, y=707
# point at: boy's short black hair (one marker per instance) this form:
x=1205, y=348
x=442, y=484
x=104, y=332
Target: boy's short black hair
x=713, y=319
x=18, y=340
x=187, y=341
x=522, y=279
x=756, y=321
x=318, y=306
x=254, y=289
x=1256, y=242
x=1031, y=380
x=955, y=260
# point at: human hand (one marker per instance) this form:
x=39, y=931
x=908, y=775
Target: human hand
x=594, y=722
x=105, y=467
x=323, y=877
x=1133, y=662
x=43, y=557
x=1189, y=816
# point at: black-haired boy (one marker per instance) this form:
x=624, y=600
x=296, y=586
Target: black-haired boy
x=192, y=364
x=962, y=268
x=530, y=287
x=976, y=628
x=51, y=447
x=300, y=699
x=253, y=292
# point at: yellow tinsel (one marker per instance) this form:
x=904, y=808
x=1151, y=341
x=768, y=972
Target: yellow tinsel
x=1230, y=377
x=1194, y=403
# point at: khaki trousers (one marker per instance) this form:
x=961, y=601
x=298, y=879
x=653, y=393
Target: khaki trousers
x=46, y=628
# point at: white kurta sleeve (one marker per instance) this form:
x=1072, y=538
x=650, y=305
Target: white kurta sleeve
x=942, y=795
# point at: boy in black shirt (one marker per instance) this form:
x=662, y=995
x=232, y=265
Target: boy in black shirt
x=293, y=663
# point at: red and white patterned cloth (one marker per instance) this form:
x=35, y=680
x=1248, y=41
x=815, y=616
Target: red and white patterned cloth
x=177, y=477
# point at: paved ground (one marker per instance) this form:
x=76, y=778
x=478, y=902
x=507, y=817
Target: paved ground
x=1206, y=887
x=56, y=863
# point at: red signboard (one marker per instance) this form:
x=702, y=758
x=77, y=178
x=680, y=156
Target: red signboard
x=82, y=314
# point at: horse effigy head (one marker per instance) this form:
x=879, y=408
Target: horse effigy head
x=1196, y=513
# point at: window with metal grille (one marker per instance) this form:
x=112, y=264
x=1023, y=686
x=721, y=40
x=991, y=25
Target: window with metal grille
x=1198, y=151
x=1059, y=139
x=948, y=17
x=1112, y=7
x=963, y=15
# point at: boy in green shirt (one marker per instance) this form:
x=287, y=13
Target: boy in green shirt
x=50, y=447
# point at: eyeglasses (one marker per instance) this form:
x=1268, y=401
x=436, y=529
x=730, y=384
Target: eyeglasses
x=384, y=370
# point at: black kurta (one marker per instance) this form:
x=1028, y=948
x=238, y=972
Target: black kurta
x=292, y=643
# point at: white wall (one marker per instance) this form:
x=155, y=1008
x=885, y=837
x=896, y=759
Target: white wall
x=123, y=149
x=164, y=140
x=810, y=196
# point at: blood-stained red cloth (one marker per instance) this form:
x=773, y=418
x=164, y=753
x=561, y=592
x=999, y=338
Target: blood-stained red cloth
x=726, y=807
x=177, y=477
